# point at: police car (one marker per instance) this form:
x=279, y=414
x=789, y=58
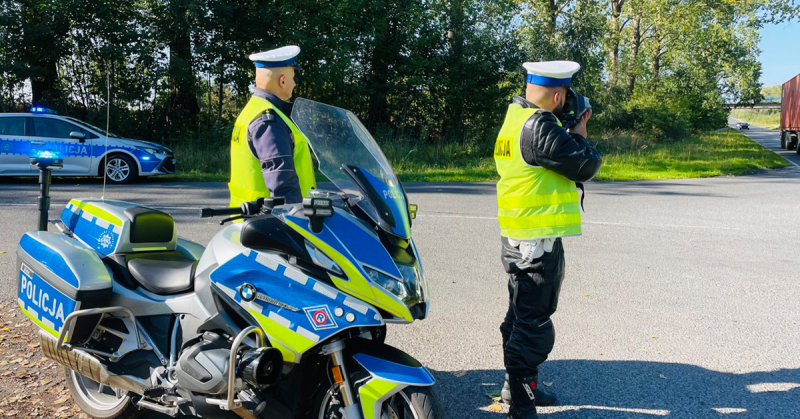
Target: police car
x=81, y=145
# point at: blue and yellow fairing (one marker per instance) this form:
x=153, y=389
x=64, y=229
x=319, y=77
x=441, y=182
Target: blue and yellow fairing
x=294, y=310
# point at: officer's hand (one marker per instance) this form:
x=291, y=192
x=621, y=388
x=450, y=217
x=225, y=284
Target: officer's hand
x=580, y=128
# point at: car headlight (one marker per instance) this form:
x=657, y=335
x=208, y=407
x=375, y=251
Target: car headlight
x=152, y=151
x=394, y=286
x=322, y=260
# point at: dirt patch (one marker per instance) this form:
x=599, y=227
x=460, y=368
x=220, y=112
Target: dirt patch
x=31, y=386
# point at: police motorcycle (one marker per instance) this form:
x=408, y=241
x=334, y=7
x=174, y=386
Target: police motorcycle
x=282, y=315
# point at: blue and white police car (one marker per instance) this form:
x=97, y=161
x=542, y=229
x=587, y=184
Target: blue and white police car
x=81, y=145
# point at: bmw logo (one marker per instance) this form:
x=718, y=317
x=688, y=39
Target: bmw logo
x=248, y=292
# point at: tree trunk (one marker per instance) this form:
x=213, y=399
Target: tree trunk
x=384, y=55
x=613, y=68
x=44, y=87
x=636, y=41
x=221, y=86
x=454, y=107
x=43, y=30
x=655, y=62
x=181, y=70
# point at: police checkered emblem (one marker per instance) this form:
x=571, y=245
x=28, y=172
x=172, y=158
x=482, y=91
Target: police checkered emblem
x=248, y=292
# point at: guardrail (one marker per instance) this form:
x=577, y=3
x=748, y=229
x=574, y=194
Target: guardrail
x=762, y=105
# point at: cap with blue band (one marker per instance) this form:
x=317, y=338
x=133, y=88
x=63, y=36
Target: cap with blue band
x=548, y=81
x=280, y=57
x=551, y=73
x=268, y=64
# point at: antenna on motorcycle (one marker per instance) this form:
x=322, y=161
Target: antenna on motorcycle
x=108, y=122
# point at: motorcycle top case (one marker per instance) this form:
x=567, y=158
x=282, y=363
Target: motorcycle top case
x=59, y=275
x=111, y=227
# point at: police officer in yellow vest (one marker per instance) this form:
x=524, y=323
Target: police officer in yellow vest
x=269, y=155
x=539, y=163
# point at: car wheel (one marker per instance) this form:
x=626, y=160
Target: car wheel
x=783, y=140
x=796, y=145
x=120, y=168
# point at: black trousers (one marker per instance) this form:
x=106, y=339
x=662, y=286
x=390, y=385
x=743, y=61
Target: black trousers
x=533, y=288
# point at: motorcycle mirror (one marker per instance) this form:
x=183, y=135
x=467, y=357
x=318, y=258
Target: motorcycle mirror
x=412, y=211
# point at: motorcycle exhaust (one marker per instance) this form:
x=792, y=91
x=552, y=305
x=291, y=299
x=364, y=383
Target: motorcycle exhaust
x=88, y=366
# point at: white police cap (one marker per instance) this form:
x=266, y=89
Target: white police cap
x=551, y=73
x=280, y=57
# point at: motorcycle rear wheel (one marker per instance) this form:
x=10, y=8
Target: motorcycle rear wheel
x=410, y=403
x=99, y=401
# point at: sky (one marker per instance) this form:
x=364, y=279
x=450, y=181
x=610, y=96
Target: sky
x=780, y=53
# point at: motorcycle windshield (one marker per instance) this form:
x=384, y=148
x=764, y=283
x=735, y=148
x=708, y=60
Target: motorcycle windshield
x=351, y=159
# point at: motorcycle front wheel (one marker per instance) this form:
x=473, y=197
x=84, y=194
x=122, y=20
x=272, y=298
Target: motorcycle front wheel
x=99, y=401
x=410, y=403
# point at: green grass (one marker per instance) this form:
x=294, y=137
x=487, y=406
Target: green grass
x=766, y=118
x=704, y=155
x=201, y=163
x=625, y=157
x=453, y=162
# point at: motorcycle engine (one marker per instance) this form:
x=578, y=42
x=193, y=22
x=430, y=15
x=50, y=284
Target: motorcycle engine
x=203, y=366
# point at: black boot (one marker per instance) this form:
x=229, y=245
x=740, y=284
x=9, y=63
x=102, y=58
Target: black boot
x=523, y=398
x=542, y=398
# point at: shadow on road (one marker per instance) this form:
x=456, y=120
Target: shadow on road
x=633, y=389
x=460, y=188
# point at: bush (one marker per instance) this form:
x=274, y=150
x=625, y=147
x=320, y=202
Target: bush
x=653, y=118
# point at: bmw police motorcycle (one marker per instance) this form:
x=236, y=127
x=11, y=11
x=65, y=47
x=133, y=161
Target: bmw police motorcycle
x=282, y=315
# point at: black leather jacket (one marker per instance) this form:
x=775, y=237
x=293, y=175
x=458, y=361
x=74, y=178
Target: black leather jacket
x=545, y=143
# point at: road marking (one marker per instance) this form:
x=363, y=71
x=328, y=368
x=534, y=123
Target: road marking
x=787, y=159
x=472, y=217
x=605, y=223
x=654, y=412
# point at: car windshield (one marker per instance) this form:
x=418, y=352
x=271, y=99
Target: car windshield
x=351, y=159
x=90, y=126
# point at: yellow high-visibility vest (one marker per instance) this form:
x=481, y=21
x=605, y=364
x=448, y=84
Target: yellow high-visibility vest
x=533, y=202
x=247, y=182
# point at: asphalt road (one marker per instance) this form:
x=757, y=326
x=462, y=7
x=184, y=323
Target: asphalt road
x=680, y=300
x=770, y=139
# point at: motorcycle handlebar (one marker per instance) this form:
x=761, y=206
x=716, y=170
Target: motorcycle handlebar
x=215, y=212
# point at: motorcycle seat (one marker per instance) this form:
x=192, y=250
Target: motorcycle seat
x=164, y=274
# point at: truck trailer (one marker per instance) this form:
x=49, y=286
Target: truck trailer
x=790, y=114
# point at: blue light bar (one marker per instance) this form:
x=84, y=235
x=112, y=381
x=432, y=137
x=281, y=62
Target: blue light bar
x=46, y=154
x=40, y=109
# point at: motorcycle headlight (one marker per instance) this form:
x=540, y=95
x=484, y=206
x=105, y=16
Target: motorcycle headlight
x=394, y=286
x=322, y=260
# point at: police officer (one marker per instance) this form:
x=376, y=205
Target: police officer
x=539, y=163
x=269, y=155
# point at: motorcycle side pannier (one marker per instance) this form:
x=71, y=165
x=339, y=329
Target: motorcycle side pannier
x=57, y=276
x=114, y=227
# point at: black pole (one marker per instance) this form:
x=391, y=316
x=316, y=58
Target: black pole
x=44, y=198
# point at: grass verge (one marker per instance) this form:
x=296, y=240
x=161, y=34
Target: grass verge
x=703, y=155
x=625, y=157
x=201, y=163
x=767, y=118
